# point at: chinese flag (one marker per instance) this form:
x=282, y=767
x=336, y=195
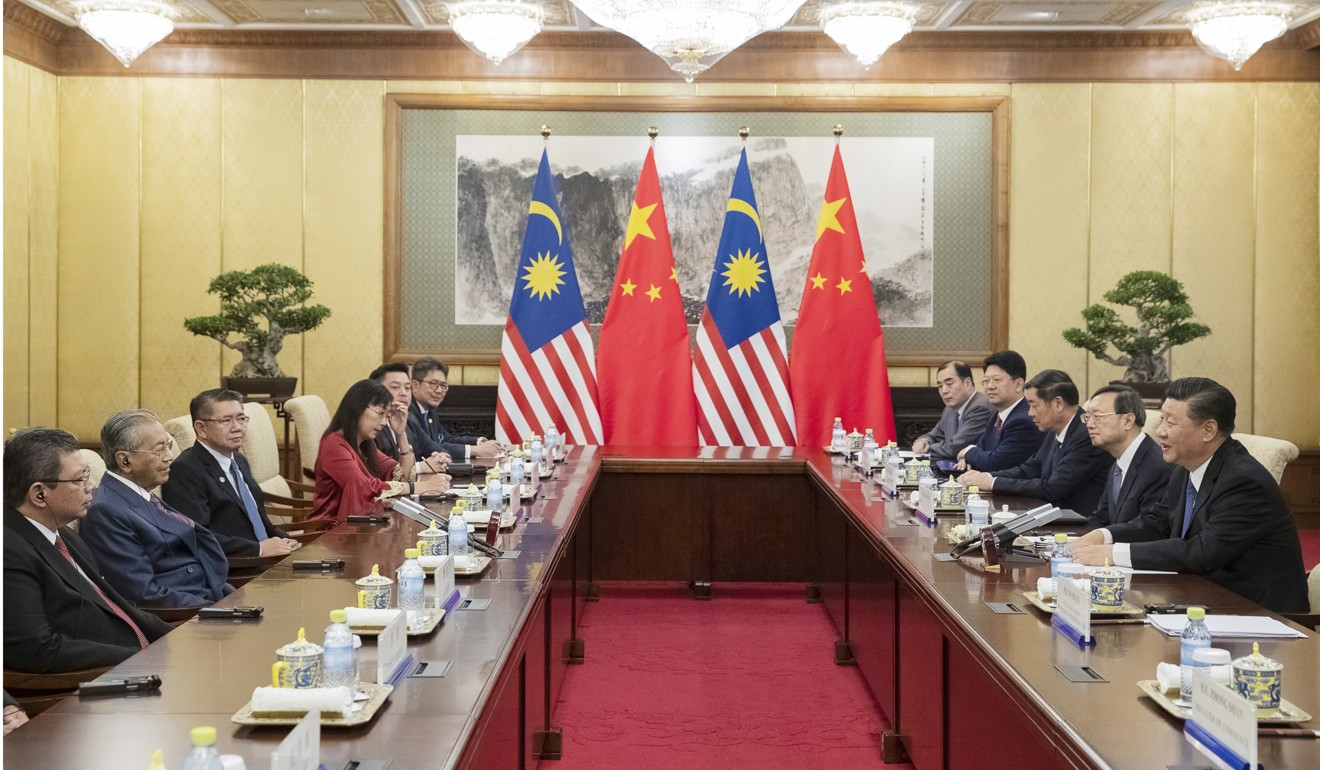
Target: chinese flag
x=644, y=362
x=837, y=364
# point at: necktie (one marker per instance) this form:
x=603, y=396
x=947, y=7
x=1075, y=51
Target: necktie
x=1115, y=485
x=249, y=503
x=1187, y=507
x=115, y=608
x=160, y=506
x=957, y=420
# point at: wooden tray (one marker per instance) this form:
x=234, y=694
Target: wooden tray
x=1288, y=713
x=1124, y=611
x=432, y=620
x=479, y=565
x=365, y=711
x=480, y=518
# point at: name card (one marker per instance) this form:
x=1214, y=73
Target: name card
x=301, y=749
x=1223, y=723
x=446, y=594
x=1074, y=611
x=926, y=496
x=392, y=649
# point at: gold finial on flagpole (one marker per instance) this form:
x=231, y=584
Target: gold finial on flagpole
x=653, y=132
x=545, y=132
x=744, y=132
x=838, y=132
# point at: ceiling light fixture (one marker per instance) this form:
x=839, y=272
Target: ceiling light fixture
x=868, y=29
x=690, y=35
x=126, y=29
x=496, y=29
x=1234, y=32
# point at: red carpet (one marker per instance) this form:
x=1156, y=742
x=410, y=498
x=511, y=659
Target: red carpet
x=745, y=681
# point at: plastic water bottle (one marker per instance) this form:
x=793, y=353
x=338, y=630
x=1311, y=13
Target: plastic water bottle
x=1061, y=554
x=204, y=755
x=458, y=534
x=838, y=436
x=339, y=667
x=1195, y=636
x=538, y=454
x=869, y=450
x=553, y=442
x=494, y=494
x=517, y=472
x=412, y=583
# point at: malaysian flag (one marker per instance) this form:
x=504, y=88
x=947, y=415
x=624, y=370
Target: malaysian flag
x=740, y=368
x=547, y=361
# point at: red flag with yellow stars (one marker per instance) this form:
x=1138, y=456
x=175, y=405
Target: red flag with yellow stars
x=837, y=364
x=643, y=361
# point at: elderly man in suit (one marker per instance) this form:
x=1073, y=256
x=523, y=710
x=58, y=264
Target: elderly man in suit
x=60, y=614
x=1222, y=514
x=1114, y=417
x=965, y=415
x=149, y=552
x=430, y=385
x=1067, y=470
x=1009, y=437
x=211, y=482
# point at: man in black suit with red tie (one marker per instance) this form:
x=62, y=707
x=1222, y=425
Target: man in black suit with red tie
x=1010, y=437
x=1114, y=419
x=60, y=614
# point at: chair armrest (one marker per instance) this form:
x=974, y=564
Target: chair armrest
x=65, y=680
x=288, y=502
x=173, y=614
x=303, y=490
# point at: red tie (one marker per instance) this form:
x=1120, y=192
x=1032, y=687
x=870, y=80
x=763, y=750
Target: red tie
x=160, y=506
x=115, y=608
x=999, y=423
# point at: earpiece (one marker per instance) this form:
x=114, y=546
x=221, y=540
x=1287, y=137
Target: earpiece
x=41, y=495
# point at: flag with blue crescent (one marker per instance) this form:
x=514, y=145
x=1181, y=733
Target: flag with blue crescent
x=740, y=367
x=547, y=361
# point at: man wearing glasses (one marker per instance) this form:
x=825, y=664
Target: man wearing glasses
x=430, y=385
x=60, y=614
x=211, y=482
x=1114, y=418
x=151, y=553
x=1009, y=437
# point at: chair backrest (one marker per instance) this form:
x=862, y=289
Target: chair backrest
x=181, y=430
x=95, y=462
x=311, y=418
x=1273, y=453
x=262, y=451
x=1152, y=422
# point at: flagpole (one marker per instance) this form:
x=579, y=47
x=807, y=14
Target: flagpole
x=838, y=133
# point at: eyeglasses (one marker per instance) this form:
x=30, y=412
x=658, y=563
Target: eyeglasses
x=1087, y=417
x=378, y=411
x=85, y=480
x=437, y=385
x=161, y=451
x=228, y=422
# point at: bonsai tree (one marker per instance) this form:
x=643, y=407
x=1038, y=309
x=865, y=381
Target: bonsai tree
x=1162, y=322
x=273, y=294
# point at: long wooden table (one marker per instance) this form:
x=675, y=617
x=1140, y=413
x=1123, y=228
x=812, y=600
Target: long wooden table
x=963, y=686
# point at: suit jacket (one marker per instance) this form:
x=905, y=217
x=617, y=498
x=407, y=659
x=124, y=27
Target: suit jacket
x=427, y=423
x=1144, y=484
x=1010, y=447
x=946, y=441
x=421, y=444
x=1242, y=535
x=1069, y=475
x=151, y=557
x=54, y=619
x=200, y=489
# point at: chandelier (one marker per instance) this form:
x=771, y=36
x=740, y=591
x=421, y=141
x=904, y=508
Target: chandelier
x=867, y=29
x=1235, y=31
x=126, y=29
x=690, y=35
x=496, y=29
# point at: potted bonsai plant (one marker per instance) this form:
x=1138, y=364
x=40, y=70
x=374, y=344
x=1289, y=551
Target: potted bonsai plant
x=1162, y=322
x=258, y=309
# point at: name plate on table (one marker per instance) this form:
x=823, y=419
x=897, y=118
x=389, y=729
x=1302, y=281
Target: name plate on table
x=301, y=749
x=926, y=499
x=1223, y=724
x=446, y=594
x=889, y=480
x=392, y=650
x=1073, y=618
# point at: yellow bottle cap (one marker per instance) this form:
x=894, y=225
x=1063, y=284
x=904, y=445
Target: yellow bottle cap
x=411, y=553
x=203, y=736
x=338, y=616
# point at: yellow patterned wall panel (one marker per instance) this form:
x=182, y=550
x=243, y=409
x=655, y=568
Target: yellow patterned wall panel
x=17, y=180
x=1214, y=231
x=1049, y=187
x=1131, y=207
x=98, y=239
x=262, y=182
x=1287, y=267
x=343, y=223
x=43, y=245
x=180, y=238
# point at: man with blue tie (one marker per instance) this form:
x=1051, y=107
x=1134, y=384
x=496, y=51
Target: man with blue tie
x=1011, y=437
x=212, y=484
x=430, y=385
x=1222, y=515
x=1114, y=418
x=150, y=553
x=1067, y=470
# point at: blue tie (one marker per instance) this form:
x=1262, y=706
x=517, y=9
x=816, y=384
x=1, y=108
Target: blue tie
x=1115, y=486
x=1188, y=505
x=249, y=503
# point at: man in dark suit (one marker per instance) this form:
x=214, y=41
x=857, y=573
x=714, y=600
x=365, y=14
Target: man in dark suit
x=430, y=385
x=60, y=614
x=427, y=454
x=1222, y=514
x=149, y=552
x=211, y=483
x=1114, y=418
x=1067, y=470
x=965, y=415
x=1010, y=437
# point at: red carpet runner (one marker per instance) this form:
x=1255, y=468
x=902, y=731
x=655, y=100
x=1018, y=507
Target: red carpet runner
x=745, y=681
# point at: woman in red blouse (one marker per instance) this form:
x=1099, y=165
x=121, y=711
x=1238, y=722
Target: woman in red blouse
x=352, y=475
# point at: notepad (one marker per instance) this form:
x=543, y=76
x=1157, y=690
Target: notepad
x=1228, y=626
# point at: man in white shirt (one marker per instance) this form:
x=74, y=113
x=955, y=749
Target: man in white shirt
x=430, y=385
x=1114, y=418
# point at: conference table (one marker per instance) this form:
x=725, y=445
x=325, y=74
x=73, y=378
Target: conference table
x=963, y=686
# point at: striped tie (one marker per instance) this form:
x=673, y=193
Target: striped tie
x=115, y=608
x=160, y=506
